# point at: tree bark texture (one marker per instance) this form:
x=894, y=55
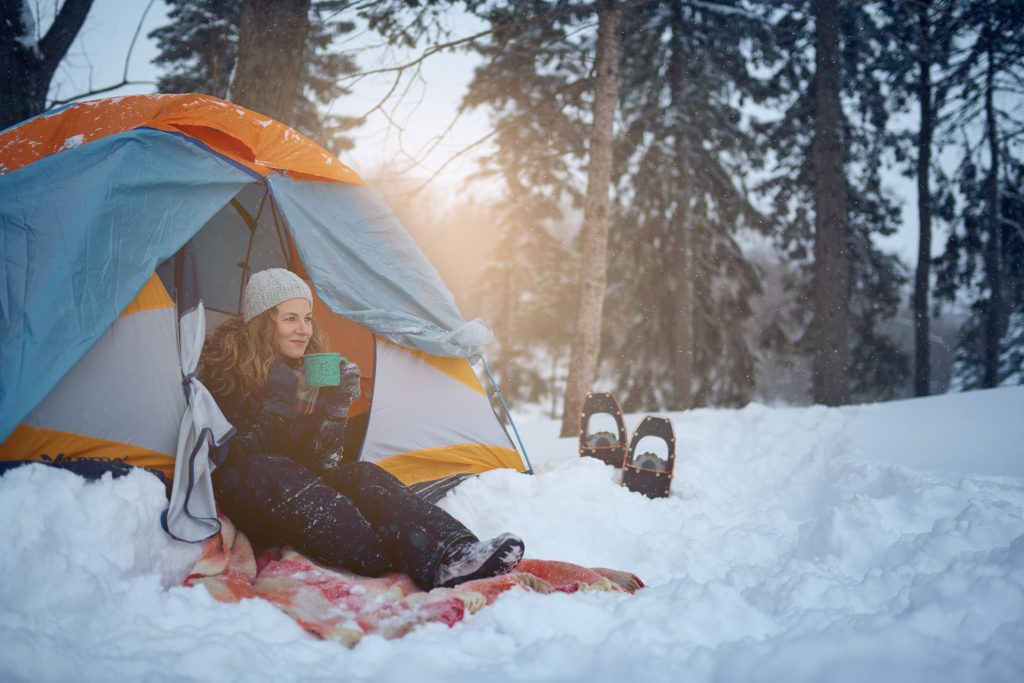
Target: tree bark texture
x=586, y=342
x=831, y=240
x=994, y=314
x=681, y=280
x=271, y=51
x=26, y=66
x=922, y=319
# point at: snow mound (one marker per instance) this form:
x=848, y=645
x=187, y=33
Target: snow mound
x=877, y=542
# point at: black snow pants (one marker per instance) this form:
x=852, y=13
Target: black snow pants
x=356, y=515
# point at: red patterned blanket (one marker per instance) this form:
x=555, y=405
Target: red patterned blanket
x=336, y=604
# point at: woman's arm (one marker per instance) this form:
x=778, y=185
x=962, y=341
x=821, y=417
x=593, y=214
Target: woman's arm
x=262, y=427
x=273, y=426
x=332, y=407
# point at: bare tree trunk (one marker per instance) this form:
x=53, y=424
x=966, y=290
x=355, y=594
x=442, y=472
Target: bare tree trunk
x=586, y=341
x=681, y=280
x=26, y=66
x=271, y=50
x=922, y=319
x=831, y=247
x=994, y=313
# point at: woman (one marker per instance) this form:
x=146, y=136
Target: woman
x=281, y=479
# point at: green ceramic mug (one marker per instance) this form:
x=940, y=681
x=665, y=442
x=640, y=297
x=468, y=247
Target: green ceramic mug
x=322, y=369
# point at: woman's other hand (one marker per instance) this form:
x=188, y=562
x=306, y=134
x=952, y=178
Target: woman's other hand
x=282, y=389
x=335, y=401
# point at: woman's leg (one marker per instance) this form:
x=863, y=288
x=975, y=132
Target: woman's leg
x=419, y=533
x=275, y=500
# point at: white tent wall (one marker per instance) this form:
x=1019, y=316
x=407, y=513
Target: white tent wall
x=123, y=396
x=139, y=404
x=418, y=407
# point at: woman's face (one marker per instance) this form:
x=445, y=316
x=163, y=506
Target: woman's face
x=294, y=320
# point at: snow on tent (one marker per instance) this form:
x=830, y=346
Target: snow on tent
x=130, y=226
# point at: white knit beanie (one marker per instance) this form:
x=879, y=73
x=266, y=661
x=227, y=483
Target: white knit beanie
x=270, y=287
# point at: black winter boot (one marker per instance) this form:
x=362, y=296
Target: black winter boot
x=479, y=560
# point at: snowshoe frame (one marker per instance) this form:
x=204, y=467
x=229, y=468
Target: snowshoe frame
x=653, y=483
x=614, y=452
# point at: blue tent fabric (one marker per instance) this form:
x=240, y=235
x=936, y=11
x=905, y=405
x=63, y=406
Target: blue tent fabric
x=366, y=267
x=81, y=232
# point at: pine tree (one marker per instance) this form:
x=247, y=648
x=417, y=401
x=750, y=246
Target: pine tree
x=915, y=61
x=926, y=58
x=198, y=47
x=856, y=285
x=527, y=292
x=199, y=50
x=831, y=327
x=664, y=248
x=981, y=258
x=533, y=78
x=537, y=80
x=963, y=275
x=681, y=287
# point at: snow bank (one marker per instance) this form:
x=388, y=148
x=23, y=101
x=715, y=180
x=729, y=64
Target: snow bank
x=875, y=542
x=982, y=435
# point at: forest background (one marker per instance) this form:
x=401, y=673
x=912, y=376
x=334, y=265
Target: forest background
x=685, y=202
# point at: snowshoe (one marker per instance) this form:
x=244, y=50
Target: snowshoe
x=608, y=447
x=646, y=472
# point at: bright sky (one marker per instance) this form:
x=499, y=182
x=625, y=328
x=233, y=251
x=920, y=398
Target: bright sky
x=427, y=108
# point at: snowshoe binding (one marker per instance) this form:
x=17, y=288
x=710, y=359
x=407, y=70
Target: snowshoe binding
x=608, y=447
x=647, y=473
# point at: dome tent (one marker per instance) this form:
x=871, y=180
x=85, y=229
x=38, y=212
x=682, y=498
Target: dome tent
x=129, y=228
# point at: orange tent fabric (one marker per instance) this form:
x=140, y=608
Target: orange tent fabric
x=250, y=139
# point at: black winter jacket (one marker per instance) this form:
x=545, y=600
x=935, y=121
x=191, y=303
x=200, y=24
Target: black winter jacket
x=314, y=440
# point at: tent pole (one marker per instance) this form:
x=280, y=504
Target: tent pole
x=504, y=407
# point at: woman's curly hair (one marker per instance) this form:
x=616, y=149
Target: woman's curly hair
x=237, y=357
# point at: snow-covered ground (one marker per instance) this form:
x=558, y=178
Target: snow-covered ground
x=867, y=543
